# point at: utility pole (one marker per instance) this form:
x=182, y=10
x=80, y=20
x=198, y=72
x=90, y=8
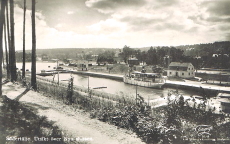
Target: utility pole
x=58, y=77
x=57, y=64
x=136, y=94
x=88, y=84
x=57, y=72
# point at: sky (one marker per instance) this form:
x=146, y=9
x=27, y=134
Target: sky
x=116, y=23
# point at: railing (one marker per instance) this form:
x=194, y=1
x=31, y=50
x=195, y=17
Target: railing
x=113, y=97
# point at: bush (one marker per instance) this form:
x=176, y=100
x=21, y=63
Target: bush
x=18, y=121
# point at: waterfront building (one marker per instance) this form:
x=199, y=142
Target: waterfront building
x=82, y=65
x=224, y=99
x=225, y=104
x=179, y=69
x=224, y=95
x=133, y=61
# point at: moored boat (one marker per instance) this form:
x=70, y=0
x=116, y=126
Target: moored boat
x=151, y=80
x=45, y=73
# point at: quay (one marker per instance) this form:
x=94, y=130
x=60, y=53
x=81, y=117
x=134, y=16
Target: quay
x=197, y=86
x=101, y=75
x=187, y=84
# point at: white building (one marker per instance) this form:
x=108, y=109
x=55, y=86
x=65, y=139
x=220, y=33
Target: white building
x=183, y=70
x=224, y=99
x=82, y=65
x=225, y=105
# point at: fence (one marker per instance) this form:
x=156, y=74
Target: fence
x=91, y=92
x=91, y=99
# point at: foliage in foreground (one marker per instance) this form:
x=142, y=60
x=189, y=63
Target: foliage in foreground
x=176, y=123
x=18, y=121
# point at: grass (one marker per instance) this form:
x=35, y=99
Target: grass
x=174, y=123
x=17, y=121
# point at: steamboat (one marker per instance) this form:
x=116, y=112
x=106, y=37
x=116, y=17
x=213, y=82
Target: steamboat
x=150, y=80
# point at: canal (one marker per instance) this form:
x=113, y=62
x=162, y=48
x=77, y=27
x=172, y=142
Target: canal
x=109, y=86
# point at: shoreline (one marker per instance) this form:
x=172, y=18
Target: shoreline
x=187, y=85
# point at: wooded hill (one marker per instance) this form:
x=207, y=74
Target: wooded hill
x=70, y=53
x=211, y=55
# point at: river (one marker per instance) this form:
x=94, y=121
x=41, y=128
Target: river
x=112, y=86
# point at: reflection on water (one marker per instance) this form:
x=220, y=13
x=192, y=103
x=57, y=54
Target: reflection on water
x=113, y=86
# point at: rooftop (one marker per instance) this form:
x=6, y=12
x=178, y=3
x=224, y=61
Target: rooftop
x=179, y=64
x=223, y=95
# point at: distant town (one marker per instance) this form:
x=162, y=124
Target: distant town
x=212, y=55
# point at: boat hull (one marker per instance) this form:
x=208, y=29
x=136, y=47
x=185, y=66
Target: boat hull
x=148, y=84
x=45, y=74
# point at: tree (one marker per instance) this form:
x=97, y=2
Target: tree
x=33, y=64
x=152, y=58
x=127, y=52
x=6, y=51
x=9, y=40
x=161, y=53
x=140, y=55
x=2, y=18
x=176, y=54
x=24, y=53
x=106, y=56
x=12, y=45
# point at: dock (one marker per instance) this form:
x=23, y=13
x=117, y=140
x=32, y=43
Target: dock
x=197, y=86
x=101, y=75
x=187, y=84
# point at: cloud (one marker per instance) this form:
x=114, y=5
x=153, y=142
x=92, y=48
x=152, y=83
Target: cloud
x=224, y=27
x=218, y=19
x=107, y=27
x=70, y=12
x=218, y=7
x=73, y=14
x=47, y=37
x=141, y=21
x=228, y=37
x=109, y=6
x=115, y=23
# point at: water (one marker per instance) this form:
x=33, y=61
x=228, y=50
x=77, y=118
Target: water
x=116, y=87
x=39, y=66
x=113, y=86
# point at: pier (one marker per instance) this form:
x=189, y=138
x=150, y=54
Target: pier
x=197, y=86
x=187, y=84
x=102, y=75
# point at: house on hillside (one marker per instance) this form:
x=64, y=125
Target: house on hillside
x=225, y=104
x=44, y=57
x=133, y=61
x=183, y=70
x=82, y=65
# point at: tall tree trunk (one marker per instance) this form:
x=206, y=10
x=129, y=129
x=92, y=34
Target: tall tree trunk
x=3, y=58
x=9, y=40
x=2, y=19
x=13, y=60
x=33, y=64
x=24, y=53
x=6, y=51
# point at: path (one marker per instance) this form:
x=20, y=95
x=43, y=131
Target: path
x=74, y=123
